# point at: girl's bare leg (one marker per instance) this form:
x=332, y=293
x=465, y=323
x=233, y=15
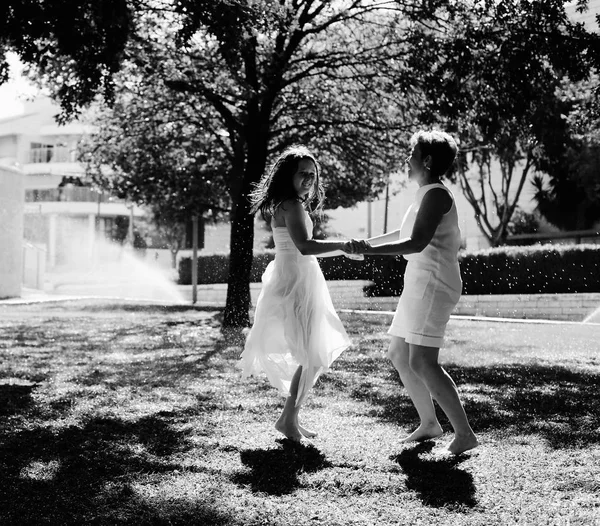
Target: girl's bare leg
x=287, y=423
x=306, y=432
x=399, y=353
x=424, y=362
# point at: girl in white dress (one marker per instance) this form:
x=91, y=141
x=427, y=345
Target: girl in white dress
x=296, y=334
x=429, y=239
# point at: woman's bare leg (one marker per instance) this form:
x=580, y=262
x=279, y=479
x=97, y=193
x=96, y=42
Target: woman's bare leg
x=424, y=362
x=399, y=353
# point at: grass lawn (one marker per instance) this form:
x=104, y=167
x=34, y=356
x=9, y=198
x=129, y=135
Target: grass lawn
x=114, y=413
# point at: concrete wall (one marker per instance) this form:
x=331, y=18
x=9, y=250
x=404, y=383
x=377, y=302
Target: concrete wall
x=12, y=201
x=349, y=295
x=567, y=307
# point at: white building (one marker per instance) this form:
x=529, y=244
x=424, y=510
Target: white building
x=63, y=215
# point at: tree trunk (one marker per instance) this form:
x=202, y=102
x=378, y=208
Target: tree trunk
x=240, y=264
x=237, y=305
x=256, y=133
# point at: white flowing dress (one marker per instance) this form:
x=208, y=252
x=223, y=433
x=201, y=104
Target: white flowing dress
x=432, y=282
x=295, y=323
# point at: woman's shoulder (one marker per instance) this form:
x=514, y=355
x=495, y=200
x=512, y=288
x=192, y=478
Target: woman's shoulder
x=437, y=189
x=439, y=196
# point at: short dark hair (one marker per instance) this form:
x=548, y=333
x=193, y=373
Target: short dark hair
x=440, y=146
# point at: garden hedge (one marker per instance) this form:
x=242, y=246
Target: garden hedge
x=502, y=270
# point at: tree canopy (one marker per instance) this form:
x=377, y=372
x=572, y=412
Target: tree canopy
x=349, y=79
x=154, y=150
x=495, y=79
x=262, y=76
x=78, y=46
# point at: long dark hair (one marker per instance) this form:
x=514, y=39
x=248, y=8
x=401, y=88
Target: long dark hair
x=276, y=186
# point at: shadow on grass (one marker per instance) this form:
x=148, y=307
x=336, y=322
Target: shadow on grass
x=101, y=305
x=557, y=403
x=276, y=471
x=86, y=474
x=437, y=482
x=15, y=398
x=164, y=363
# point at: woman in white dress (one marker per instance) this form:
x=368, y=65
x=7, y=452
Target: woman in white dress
x=429, y=239
x=296, y=334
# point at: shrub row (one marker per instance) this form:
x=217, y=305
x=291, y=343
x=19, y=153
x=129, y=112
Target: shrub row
x=540, y=269
x=214, y=268
x=502, y=270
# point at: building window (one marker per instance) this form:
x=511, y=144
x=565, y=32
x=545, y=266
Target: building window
x=50, y=153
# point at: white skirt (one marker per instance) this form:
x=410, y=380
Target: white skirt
x=295, y=325
x=424, y=308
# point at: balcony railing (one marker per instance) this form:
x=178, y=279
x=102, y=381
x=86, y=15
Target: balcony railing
x=51, y=154
x=68, y=193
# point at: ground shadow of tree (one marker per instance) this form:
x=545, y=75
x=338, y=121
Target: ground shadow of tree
x=276, y=471
x=84, y=474
x=147, y=308
x=555, y=402
x=15, y=398
x=211, y=355
x=438, y=482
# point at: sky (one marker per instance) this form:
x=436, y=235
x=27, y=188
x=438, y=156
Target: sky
x=12, y=92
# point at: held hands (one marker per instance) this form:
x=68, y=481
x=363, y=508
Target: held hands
x=356, y=246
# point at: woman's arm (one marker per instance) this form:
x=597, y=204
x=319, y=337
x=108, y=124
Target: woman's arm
x=389, y=237
x=435, y=204
x=293, y=213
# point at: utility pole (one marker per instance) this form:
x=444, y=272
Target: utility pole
x=194, y=259
x=130, y=234
x=385, y=211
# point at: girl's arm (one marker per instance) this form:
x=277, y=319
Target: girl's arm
x=293, y=213
x=435, y=204
x=348, y=254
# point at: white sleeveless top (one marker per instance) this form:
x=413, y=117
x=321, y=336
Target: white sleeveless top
x=440, y=256
x=284, y=244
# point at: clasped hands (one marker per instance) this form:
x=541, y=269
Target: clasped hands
x=356, y=246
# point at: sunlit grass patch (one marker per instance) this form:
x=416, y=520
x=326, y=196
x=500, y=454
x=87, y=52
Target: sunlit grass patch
x=120, y=413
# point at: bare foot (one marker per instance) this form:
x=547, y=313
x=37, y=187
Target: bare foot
x=306, y=432
x=424, y=432
x=460, y=444
x=290, y=430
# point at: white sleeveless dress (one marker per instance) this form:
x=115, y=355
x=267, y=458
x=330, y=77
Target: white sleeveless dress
x=432, y=282
x=295, y=323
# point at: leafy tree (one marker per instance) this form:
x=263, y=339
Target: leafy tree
x=154, y=150
x=86, y=38
x=308, y=71
x=570, y=200
x=494, y=75
x=255, y=90
x=172, y=231
x=523, y=223
x=264, y=74
x=568, y=196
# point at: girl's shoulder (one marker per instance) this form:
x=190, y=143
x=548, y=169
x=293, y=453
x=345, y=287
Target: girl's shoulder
x=286, y=209
x=292, y=206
